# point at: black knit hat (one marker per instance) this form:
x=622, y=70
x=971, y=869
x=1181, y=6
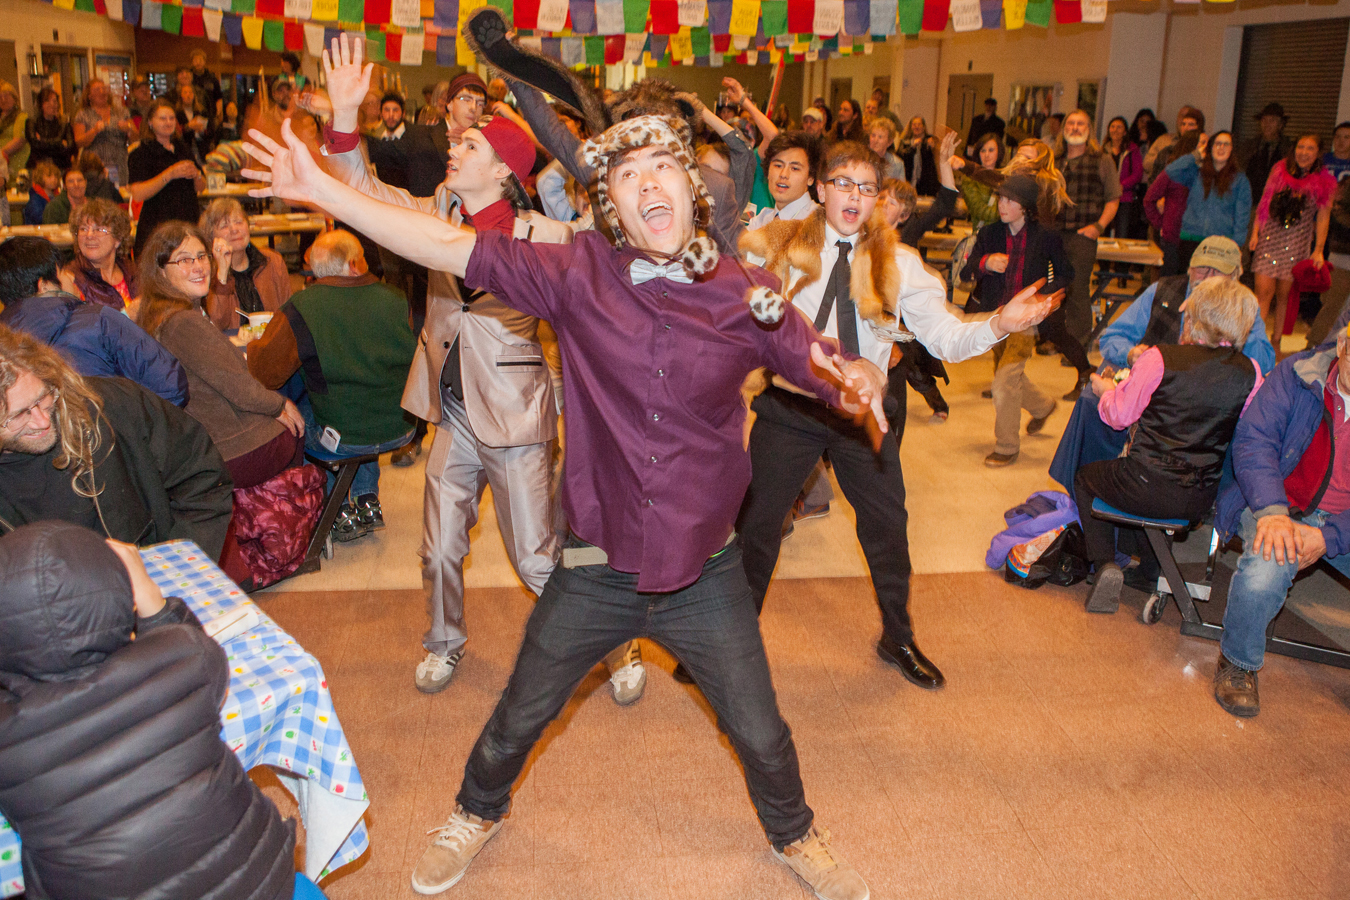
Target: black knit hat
x=1023, y=189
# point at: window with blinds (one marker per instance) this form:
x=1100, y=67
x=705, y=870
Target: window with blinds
x=1295, y=64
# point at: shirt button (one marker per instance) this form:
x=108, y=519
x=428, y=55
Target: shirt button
x=656, y=417
x=665, y=294
x=653, y=459
x=661, y=373
x=649, y=501
x=667, y=327
x=465, y=308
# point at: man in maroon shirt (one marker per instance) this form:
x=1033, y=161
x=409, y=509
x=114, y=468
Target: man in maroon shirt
x=656, y=339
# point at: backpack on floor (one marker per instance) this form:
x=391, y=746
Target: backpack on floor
x=273, y=522
x=1043, y=542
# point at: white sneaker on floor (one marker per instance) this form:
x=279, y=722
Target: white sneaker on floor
x=447, y=859
x=433, y=673
x=827, y=873
x=626, y=674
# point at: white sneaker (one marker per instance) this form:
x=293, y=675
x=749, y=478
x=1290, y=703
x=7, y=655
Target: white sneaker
x=447, y=859
x=433, y=673
x=828, y=874
x=626, y=674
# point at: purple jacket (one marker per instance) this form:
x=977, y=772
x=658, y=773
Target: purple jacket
x=1044, y=511
x=1168, y=222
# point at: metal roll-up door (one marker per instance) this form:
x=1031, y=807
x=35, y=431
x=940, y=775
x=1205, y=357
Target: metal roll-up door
x=1296, y=64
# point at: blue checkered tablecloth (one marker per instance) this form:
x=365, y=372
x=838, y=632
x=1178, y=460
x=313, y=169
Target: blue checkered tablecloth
x=278, y=713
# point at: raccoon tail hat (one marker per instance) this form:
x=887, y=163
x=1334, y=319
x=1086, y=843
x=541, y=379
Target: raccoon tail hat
x=486, y=34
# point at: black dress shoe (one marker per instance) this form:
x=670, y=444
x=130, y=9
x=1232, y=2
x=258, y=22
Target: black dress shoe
x=909, y=659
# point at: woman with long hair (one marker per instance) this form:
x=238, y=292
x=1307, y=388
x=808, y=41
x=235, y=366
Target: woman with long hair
x=13, y=126
x=102, y=267
x=104, y=126
x=1165, y=203
x=1291, y=220
x=1220, y=198
x=248, y=279
x=848, y=126
x=48, y=132
x=1146, y=128
x=1130, y=169
x=195, y=121
x=257, y=431
x=918, y=149
x=164, y=173
x=981, y=201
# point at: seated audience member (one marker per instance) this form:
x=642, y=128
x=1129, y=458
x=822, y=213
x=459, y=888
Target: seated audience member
x=1183, y=401
x=92, y=338
x=96, y=661
x=98, y=186
x=46, y=184
x=248, y=279
x=1290, y=503
x=1155, y=318
x=1009, y=255
x=103, y=453
x=349, y=336
x=881, y=138
x=102, y=267
x=58, y=210
x=790, y=162
x=257, y=431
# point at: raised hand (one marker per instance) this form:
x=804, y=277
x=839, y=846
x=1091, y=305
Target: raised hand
x=222, y=254
x=348, y=79
x=735, y=93
x=295, y=175
x=1028, y=308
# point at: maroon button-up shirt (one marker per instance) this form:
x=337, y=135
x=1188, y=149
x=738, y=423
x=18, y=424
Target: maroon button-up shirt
x=656, y=466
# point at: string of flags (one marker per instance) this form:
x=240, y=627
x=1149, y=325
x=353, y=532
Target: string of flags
x=591, y=32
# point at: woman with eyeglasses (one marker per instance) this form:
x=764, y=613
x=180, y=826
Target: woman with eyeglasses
x=164, y=173
x=102, y=265
x=258, y=432
x=248, y=279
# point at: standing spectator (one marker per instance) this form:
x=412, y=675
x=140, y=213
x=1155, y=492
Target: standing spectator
x=981, y=201
x=46, y=182
x=792, y=160
x=49, y=134
x=918, y=149
x=1291, y=220
x=1332, y=318
x=231, y=128
x=1337, y=159
x=58, y=211
x=165, y=179
x=248, y=279
x=848, y=126
x=988, y=123
x=1051, y=128
x=257, y=431
x=1146, y=128
x=290, y=71
x=139, y=102
x=1188, y=119
x=1220, y=198
x=1130, y=171
x=102, y=267
x=1091, y=182
x=881, y=138
x=95, y=340
x=1265, y=151
x=195, y=121
x=13, y=128
x=1165, y=204
x=97, y=185
x=813, y=122
x=433, y=113
x=465, y=102
x=1008, y=256
x=207, y=84
x=105, y=127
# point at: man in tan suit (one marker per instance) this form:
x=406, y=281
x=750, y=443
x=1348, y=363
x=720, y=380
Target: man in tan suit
x=481, y=378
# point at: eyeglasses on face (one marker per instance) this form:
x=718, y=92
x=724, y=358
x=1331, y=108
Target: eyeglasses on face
x=93, y=231
x=200, y=259
x=46, y=403
x=471, y=99
x=846, y=186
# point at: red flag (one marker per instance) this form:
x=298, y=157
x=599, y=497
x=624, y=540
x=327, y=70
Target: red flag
x=721, y=42
x=100, y=7
x=665, y=16
x=526, y=14
x=192, y=22
x=294, y=37
x=802, y=16
x=1068, y=12
x=377, y=12
x=393, y=46
x=270, y=9
x=935, y=14
x=614, y=45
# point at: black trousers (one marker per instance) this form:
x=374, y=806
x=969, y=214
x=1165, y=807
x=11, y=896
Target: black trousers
x=916, y=368
x=1054, y=329
x=1131, y=487
x=789, y=435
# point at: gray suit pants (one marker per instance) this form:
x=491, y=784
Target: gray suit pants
x=458, y=469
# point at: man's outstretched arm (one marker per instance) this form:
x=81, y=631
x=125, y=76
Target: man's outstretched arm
x=295, y=176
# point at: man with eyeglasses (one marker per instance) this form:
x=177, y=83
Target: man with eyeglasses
x=465, y=106
x=103, y=453
x=858, y=281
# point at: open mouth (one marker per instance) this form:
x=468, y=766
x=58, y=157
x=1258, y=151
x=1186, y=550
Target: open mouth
x=658, y=215
x=851, y=214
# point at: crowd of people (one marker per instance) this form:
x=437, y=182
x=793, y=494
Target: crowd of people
x=637, y=265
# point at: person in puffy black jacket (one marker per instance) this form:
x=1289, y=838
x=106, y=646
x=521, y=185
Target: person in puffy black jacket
x=112, y=769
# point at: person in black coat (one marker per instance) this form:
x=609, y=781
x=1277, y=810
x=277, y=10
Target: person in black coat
x=112, y=769
x=1009, y=255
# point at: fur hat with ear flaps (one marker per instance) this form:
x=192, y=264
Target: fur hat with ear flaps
x=700, y=255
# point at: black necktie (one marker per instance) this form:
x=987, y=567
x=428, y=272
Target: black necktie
x=838, y=288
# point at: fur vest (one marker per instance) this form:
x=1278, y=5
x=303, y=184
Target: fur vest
x=874, y=275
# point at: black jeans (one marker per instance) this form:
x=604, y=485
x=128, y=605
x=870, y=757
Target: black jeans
x=789, y=435
x=709, y=626
x=1131, y=487
x=1053, y=329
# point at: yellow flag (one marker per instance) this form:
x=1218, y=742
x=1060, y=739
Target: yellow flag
x=1014, y=14
x=253, y=29
x=463, y=55
x=681, y=44
x=324, y=11
x=64, y=4
x=744, y=16
x=428, y=9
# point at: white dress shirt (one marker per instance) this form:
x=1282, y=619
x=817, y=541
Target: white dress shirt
x=800, y=208
x=922, y=303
